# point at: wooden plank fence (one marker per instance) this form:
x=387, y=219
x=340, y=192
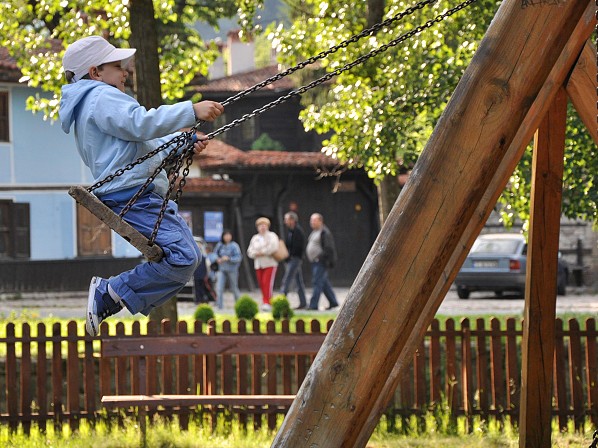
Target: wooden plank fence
x=57, y=375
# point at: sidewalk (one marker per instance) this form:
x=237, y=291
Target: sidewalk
x=73, y=304
x=188, y=307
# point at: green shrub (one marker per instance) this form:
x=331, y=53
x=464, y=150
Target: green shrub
x=246, y=308
x=204, y=312
x=266, y=143
x=281, y=308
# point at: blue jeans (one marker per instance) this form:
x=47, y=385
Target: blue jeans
x=321, y=285
x=233, y=281
x=151, y=284
x=292, y=273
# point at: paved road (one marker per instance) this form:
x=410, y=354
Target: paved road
x=73, y=304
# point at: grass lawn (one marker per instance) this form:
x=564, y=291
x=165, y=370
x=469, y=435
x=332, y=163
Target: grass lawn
x=162, y=434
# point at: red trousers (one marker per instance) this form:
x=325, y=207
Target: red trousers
x=265, y=280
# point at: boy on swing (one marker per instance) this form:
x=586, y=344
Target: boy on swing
x=112, y=130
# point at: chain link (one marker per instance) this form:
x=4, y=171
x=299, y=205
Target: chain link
x=184, y=140
x=340, y=70
x=366, y=32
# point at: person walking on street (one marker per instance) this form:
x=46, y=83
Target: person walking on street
x=261, y=247
x=229, y=259
x=321, y=252
x=295, y=241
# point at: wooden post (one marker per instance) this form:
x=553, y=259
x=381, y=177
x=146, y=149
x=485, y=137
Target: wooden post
x=407, y=261
x=541, y=287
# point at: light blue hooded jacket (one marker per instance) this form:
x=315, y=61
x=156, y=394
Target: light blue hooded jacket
x=112, y=130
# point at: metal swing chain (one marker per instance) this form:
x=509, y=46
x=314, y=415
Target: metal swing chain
x=594, y=443
x=366, y=32
x=340, y=70
x=407, y=12
x=185, y=137
x=188, y=154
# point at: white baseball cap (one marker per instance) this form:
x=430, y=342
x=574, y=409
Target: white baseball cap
x=92, y=51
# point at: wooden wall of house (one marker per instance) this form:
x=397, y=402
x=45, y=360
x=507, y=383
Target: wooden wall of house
x=351, y=212
x=280, y=123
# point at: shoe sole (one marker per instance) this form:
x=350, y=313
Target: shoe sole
x=89, y=323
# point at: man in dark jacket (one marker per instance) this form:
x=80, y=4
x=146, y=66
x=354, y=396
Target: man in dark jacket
x=295, y=241
x=321, y=252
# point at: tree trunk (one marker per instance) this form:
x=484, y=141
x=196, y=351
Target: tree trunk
x=375, y=11
x=388, y=192
x=144, y=37
x=389, y=189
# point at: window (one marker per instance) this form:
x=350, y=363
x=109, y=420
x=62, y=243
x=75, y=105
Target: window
x=4, y=134
x=93, y=236
x=249, y=131
x=14, y=230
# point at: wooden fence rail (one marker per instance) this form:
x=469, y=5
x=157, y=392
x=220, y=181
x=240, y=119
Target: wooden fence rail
x=57, y=375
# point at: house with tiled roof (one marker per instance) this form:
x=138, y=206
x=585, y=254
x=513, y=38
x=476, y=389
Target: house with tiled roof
x=45, y=233
x=281, y=123
x=300, y=178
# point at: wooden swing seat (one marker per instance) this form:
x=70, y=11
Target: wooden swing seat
x=106, y=215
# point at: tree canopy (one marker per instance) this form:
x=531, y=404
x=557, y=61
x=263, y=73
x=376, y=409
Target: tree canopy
x=381, y=114
x=36, y=34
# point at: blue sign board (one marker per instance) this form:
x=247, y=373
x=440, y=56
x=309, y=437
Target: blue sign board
x=213, y=224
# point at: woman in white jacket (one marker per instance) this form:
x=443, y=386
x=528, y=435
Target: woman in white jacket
x=261, y=247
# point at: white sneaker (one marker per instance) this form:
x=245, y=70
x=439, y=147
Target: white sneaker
x=100, y=305
x=266, y=307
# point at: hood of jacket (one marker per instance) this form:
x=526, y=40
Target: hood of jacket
x=72, y=95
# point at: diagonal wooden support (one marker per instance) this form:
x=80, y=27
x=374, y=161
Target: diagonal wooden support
x=535, y=413
x=120, y=226
x=581, y=88
x=382, y=315
x=531, y=122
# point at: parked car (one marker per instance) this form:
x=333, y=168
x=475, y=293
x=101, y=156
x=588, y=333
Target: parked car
x=497, y=263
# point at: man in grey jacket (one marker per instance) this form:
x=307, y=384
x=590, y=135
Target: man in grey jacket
x=321, y=252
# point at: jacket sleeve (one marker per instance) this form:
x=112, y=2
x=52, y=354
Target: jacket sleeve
x=252, y=250
x=236, y=257
x=329, y=248
x=272, y=245
x=217, y=249
x=121, y=116
x=299, y=243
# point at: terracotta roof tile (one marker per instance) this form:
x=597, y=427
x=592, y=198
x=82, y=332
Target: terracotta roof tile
x=218, y=156
x=9, y=72
x=243, y=81
x=208, y=185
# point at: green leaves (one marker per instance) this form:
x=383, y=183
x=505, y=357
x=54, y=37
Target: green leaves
x=382, y=113
x=36, y=33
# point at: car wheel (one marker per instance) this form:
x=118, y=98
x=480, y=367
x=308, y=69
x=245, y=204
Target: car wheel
x=498, y=293
x=462, y=292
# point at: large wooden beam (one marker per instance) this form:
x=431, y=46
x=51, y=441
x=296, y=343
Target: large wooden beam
x=581, y=88
x=535, y=413
x=537, y=111
x=378, y=321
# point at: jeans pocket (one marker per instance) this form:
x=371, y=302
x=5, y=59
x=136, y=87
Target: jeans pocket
x=177, y=250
